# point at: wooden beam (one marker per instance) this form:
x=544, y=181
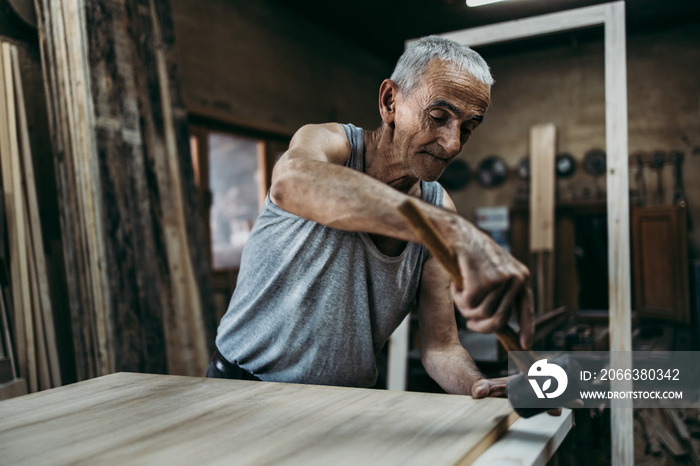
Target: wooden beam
x=530, y=27
x=542, y=197
x=621, y=413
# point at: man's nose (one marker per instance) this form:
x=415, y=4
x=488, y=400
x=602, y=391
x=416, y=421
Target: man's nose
x=451, y=141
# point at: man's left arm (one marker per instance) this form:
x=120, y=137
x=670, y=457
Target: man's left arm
x=442, y=354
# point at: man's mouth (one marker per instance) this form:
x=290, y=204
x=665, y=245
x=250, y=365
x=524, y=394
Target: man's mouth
x=442, y=159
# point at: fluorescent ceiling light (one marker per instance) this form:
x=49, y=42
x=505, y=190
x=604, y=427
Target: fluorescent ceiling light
x=481, y=2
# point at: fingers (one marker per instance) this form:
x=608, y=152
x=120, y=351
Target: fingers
x=554, y=412
x=480, y=389
x=489, y=387
x=577, y=403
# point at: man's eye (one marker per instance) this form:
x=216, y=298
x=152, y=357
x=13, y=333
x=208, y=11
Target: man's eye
x=438, y=118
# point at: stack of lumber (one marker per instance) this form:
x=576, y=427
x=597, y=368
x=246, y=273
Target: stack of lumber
x=27, y=307
x=670, y=435
x=137, y=268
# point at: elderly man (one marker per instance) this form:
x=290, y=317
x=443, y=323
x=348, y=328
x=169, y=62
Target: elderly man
x=331, y=267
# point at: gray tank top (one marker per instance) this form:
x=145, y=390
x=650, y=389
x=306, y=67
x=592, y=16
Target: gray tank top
x=315, y=304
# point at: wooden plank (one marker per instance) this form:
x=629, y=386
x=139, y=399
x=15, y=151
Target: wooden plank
x=186, y=294
x=542, y=194
x=87, y=177
x=53, y=61
x=155, y=419
x=8, y=192
x=542, y=197
x=6, y=333
x=43, y=373
x=617, y=182
x=529, y=442
x=37, y=242
x=397, y=360
x=21, y=234
x=529, y=27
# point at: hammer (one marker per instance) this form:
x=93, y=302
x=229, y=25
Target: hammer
x=519, y=388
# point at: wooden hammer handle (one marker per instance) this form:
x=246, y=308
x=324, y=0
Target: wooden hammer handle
x=438, y=247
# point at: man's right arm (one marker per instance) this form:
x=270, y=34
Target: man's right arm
x=310, y=181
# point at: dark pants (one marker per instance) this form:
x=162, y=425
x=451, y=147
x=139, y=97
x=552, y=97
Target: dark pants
x=220, y=368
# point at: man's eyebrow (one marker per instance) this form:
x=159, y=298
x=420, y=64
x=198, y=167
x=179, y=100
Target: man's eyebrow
x=449, y=106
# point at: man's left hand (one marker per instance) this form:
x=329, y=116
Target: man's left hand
x=483, y=388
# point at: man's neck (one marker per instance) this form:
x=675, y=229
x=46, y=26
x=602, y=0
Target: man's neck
x=382, y=163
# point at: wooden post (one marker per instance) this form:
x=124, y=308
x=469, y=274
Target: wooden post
x=622, y=421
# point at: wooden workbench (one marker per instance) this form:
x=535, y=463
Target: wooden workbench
x=157, y=419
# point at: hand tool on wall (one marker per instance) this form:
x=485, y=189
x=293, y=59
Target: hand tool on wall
x=594, y=163
x=519, y=389
x=639, y=178
x=492, y=172
x=523, y=171
x=456, y=176
x=657, y=164
x=678, y=194
x=565, y=165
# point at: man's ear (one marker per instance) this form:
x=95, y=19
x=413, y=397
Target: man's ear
x=387, y=101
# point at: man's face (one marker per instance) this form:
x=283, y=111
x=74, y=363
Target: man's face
x=435, y=121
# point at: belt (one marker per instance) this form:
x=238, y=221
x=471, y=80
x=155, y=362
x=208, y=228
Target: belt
x=229, y=369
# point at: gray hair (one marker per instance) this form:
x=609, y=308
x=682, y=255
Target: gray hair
x=414, y=61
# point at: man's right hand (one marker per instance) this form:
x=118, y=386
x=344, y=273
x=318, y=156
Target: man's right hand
x=495, y=284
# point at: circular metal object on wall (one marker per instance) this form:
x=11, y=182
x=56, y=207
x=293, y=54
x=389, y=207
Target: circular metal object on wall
x=25, y=10
x=565, y=165
x=492, y=172
x=594, y=162
x=524, y=168
x=456, y=176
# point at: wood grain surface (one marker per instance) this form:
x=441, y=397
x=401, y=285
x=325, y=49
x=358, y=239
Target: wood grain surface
x=130, y=418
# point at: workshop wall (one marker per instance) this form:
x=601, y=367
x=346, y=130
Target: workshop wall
x=259, y=66
x=565, y=86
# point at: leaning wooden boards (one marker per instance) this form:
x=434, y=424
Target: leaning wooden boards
x=34, y=335
x=155, y=419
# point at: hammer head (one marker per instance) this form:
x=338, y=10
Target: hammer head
x=547, y=385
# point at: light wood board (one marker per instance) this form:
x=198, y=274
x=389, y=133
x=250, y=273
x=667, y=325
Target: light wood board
x=130, y=418
x=530, y=442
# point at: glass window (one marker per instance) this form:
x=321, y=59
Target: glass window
x=235, y=180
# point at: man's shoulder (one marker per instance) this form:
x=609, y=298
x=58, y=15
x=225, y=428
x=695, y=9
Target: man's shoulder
x=330, y=130
x=327, y=138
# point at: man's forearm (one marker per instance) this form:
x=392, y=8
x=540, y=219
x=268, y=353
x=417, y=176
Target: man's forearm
x=345, y=199
x=453, y=369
